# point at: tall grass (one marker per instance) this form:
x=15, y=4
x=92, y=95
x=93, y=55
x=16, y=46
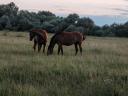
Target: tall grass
x=102, y=70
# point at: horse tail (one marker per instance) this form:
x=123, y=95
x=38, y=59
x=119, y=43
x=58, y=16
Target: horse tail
x=44, y=36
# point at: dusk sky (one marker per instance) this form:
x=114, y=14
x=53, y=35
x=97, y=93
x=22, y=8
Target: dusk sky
x=101, y=11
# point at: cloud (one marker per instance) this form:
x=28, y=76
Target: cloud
x=82, y=7
x=121, y=9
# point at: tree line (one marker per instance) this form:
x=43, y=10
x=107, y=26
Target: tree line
x=11, y=18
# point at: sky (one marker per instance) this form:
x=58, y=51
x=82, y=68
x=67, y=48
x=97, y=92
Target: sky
x=101, y=11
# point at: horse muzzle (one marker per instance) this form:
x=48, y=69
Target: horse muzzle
x=49, y=53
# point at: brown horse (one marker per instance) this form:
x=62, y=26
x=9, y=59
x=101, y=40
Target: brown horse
x=40, y=38
x=66, y=38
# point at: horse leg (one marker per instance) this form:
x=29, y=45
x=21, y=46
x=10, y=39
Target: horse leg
x=44, y=48
x=34, y=46
x=76, y=48
x=39, y=47
x=59, y=49
x=80, y=47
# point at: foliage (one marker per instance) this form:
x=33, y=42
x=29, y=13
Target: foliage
x=11, y=18
x=72, y=18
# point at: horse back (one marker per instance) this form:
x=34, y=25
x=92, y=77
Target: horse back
x=69, y=38
x=77, y=36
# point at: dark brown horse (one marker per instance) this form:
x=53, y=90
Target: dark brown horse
x=40, y=38
x=66, y=38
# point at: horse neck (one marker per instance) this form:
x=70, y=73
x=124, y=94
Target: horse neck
x=53, y=42
x=33, y=34
x=52, y=45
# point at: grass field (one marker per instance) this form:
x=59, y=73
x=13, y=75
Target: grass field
x=102, y=70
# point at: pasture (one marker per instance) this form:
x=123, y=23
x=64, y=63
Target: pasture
x=102, y=70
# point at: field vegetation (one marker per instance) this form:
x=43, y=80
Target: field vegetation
x=102, y=70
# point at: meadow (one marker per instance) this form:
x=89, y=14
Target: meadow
x=102, y=70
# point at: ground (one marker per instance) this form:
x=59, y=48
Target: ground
x=102, y=70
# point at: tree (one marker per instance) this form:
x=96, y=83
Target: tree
x=86, y=23
x=72, y=18
x=81, y=29
x=45, y=16
x=47, y=26
x=4, y=20
x=13, y=19
x=8, y=9
x=107, y=30
x=60, y=27
x=71, y=28
x=121, y=30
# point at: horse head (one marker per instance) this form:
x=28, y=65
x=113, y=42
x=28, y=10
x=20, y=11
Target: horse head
x=31, y=35
x=51, y=45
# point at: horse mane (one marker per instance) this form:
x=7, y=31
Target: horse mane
x=62, y=28
x=57, y=33
x=54, y=37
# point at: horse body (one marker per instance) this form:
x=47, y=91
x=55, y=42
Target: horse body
x=66, y=38
x=69, y=38
x=40, y=38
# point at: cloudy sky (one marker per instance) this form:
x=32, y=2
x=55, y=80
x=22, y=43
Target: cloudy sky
x=101, y=11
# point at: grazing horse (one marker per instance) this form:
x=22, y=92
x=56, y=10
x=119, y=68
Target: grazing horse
x=66, y=38
x=40, y=38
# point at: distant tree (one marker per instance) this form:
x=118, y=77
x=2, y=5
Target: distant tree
x=56, y=21
x=86, y=23
x=121, y=30
x=27, y=20
x=72, y=18
x=45, y=16
x=8, y=9
x=24, y=24
x=71, y=28
x=46, y=13
x=12, y=18
x=60, y=27
x=9, y=12
x=23, y=21
x=81, y=29
x=126, y=23
x=105, y=27
x=107, y=30
x=93, y=31
x=4, y=20
x=47, y=26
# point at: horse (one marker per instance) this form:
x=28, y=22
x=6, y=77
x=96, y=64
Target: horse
x=40, y=38
x=66, y=38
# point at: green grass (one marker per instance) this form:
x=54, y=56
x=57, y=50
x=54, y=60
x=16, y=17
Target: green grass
x=102, y=70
